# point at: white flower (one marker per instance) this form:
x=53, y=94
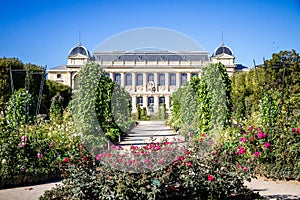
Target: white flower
x=3, y=161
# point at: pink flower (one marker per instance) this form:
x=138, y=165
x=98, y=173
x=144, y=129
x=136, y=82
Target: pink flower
x=243, y=139
x=238, y=165
x=51, y=144
x=39, y=155
x=241, y=150
x=203, y=135
x=161, y=161
x=187, y=153
x=190, y=164
x=22, y=144
x=293, y=129
x=158, y=147
x=250, y=128
x=24, y=138
x=245, y=168
x=256, y=154
x=66, y=159
x=180, y=158
x=267, y=144
x=189, y=134
x=99, y=156
x=260, y=134
x=210, y=177
x=22, y=169
x=251, y=139
x=298, y=130
x=133, y=147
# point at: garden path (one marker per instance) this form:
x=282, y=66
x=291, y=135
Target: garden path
x=145, y=130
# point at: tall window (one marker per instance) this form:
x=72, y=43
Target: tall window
x=172, y=79
x=183, y=79
x=117, y=78
x=139, y=79
x=150, y=77
x=161, y=79
x=139, y=101
x=161, y=100
x=150, y=101
x=128, y=78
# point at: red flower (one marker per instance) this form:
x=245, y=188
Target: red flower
x=245, y=168
x=243, y=139
x=209, y=177
x=187, y=153
x=251, y=139
x=260, y=134
x=66, y=159
x=298, y=130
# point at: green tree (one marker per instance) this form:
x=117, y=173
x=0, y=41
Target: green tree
x=20, y=108
x=56, y=109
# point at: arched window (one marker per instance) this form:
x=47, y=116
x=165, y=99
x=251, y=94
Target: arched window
x=76, y=82
x=117, y=78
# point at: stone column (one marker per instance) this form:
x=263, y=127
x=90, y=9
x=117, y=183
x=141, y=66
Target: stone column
x=133, y=98
x=167, y=81
x=122, y=80
x=156, y=81
x=70, y=81
x=167, y=101
x=188, y=76
x=111, y=75
x=156, y=103
x=145, y=101
x=178, y=79
x=133, y=77
x=144, y=83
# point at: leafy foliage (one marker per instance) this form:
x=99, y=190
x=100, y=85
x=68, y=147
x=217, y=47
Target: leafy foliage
x=203, y=104
x=20, y=109
x=56, y=109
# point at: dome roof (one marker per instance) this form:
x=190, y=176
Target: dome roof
x=79, y=50
x=223, y=49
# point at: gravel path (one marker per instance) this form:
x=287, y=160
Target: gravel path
x=26, y=193
x=272, y=190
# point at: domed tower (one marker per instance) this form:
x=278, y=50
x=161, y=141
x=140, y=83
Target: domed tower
x=78, y=55
x=224, y=55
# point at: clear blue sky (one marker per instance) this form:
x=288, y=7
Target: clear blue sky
x=42, y=32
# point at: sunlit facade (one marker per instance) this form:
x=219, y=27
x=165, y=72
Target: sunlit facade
x=150, y=76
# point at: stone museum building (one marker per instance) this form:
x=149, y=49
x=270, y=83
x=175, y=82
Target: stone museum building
x=150, y=76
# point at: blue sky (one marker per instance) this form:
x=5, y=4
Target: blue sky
x=43, y=32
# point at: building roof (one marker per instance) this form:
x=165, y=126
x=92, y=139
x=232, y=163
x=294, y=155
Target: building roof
x=79, y=49
x=59, y=68
x=222, y=49
x=151, y=56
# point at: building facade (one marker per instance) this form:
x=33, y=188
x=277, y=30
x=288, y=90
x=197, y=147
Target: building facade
x=150, y=76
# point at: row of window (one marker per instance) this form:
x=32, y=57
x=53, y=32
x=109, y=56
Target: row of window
x=150, y=77
x=139, y=101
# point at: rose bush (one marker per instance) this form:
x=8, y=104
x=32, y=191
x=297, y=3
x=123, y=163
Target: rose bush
x=31, y=153
x=201, y=171
x=275, y=155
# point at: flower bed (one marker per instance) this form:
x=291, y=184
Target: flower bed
x=197, y=170
x=31, y=154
